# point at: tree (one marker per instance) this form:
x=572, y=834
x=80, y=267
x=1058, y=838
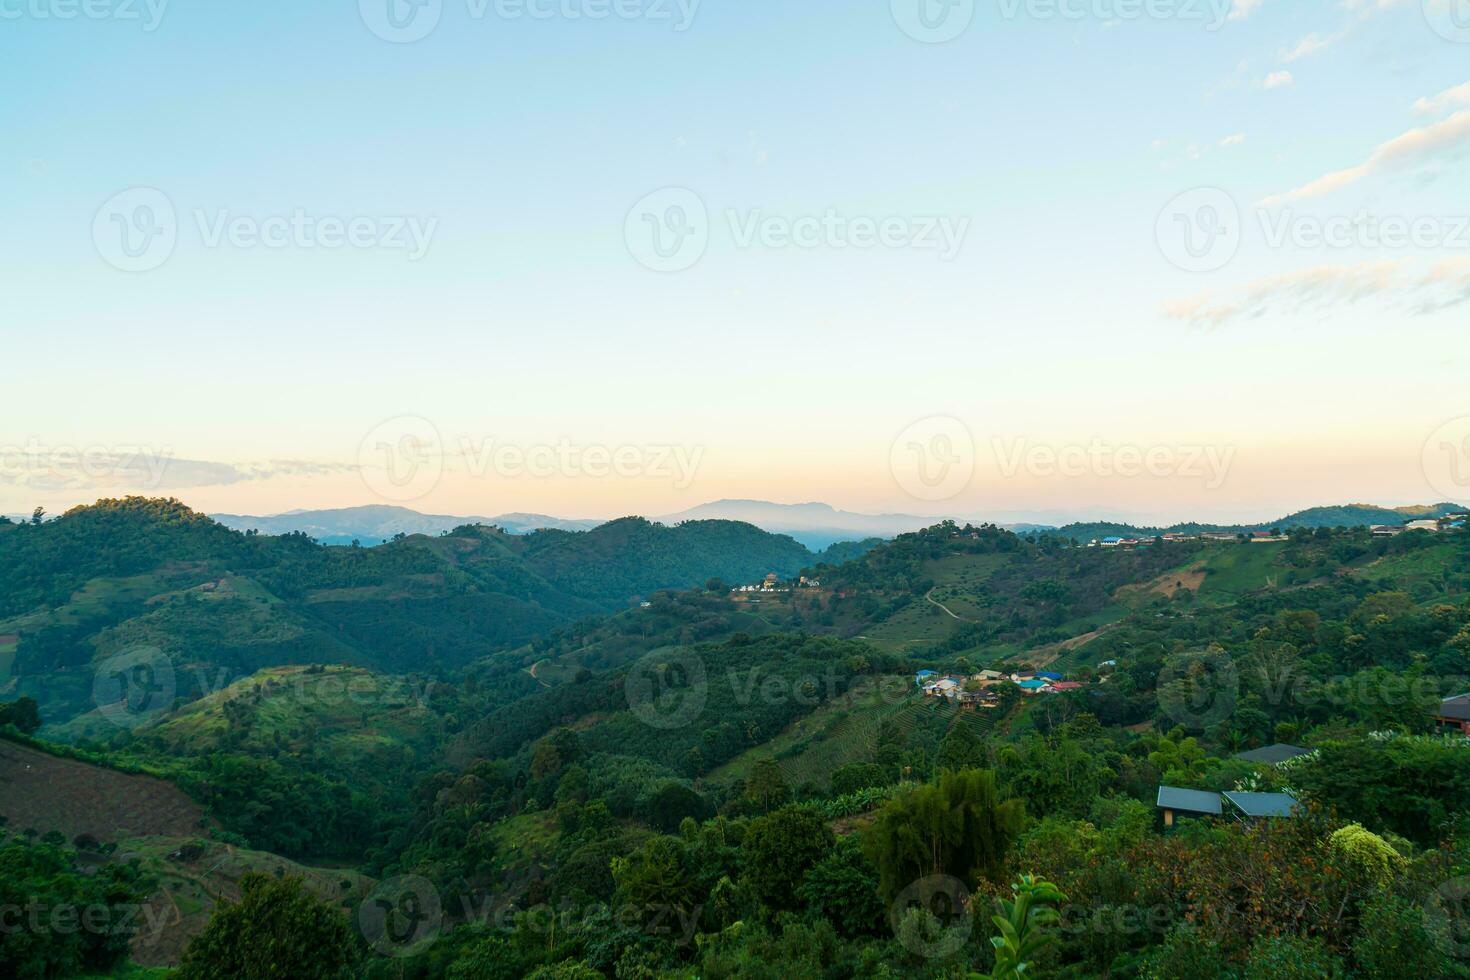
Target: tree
x=23, y=713
x=767, y=787
x=843, y=889
x=779, y=849
x=958, y=826
x=277, y=930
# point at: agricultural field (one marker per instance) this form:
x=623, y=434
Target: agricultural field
x=43, y=792
x=847, y=730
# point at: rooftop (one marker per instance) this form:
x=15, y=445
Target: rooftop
x=1264, y=804
x=1188, y=800
x=1273, y=754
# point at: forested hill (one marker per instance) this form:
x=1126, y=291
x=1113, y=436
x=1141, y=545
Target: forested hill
x=119, y=574
x=1344, y=515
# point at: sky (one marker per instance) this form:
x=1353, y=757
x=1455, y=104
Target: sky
x=1156, y=259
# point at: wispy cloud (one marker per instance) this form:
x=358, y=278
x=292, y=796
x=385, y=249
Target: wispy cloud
x=138, y=468
x=1234, y=139
x=1241, y=9
x=1324, y=287
x=1400, y=153
x=1445, y=101
x=1311, y=44
x=1277, y=79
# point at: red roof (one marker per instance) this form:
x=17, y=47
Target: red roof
x=1067, y=686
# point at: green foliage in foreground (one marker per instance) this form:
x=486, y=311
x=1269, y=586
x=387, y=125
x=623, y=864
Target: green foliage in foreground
x=275, y=932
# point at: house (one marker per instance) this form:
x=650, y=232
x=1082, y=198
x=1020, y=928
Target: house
x=944, y=687
x=989, y=677
x=1023, y=675
x=923, y=676
x=1060, y=686
x=1108, y=663
x=1218, y=536
x=1255, y=806
x=1422, y=526
x=1453, y=712
x=1174, y=803
x=1047, y=675
x=1273, y=755
x=1386, y=530
x=1033, y=686
x=1111, y=542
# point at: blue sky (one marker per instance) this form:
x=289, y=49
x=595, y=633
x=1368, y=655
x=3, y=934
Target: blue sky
x=518, y=145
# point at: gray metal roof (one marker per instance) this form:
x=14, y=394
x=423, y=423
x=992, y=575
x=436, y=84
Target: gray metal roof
x=1188, y=800
x=1273, y=754
x=1264, y=804
x=1456, y=707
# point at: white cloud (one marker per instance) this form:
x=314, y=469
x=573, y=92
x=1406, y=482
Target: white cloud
x=1235, y=139
x=1444, y=101
x=1310, y=45
x=1399, y=153
x=1276, y=79
x=1241, y=9
x=1322, y=288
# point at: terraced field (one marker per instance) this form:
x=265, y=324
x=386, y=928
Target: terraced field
x=846, y=731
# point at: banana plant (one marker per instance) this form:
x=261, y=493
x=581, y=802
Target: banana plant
x=1022, y=928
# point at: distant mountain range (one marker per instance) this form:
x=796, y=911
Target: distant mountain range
x=817, y=526
x=376, y=524
x=1347, y=515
